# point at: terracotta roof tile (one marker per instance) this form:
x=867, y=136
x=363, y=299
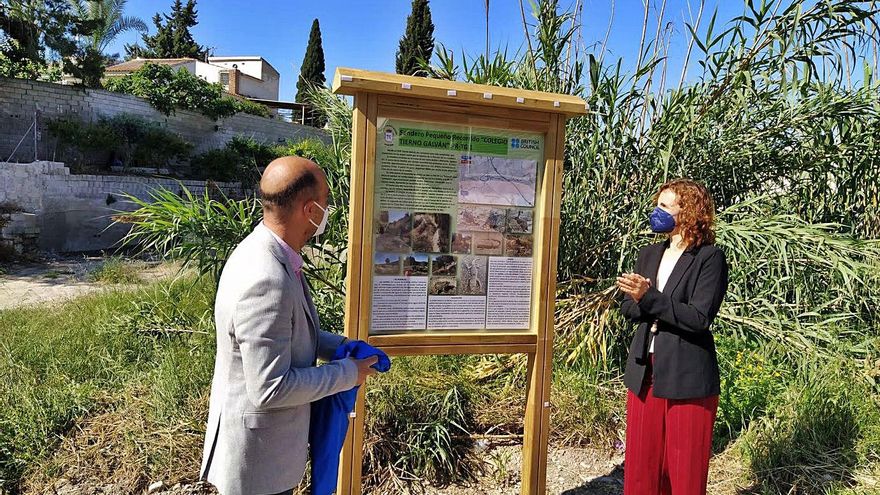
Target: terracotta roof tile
x=133, y=65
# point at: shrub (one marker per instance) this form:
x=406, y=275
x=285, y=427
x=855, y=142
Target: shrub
x=750, y=381
x=244, y=157
x=83, y=135
x=168, y=90
x=222, y=165
x=588, y=405
x=198, y=229
x=311, y=148
x=256, y=153
x=250, y=107
x=132, y=140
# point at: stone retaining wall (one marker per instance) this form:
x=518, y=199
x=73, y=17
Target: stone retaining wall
x=20, y=99
x=74, y=212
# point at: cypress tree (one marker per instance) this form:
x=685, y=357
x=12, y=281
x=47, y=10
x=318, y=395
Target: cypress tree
x=418, y=40
x=311, y=73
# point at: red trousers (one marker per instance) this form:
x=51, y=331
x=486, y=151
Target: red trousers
x=668, y=443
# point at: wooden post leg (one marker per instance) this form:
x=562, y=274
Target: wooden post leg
x=544, y=442
x=533, y=454
x=352, y=458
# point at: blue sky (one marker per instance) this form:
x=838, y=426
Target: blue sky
x=364, y=33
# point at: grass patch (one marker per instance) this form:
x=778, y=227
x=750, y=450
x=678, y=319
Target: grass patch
x=111, y=389
x=116, y=271
x=752, y=382
x=823, y=436
x=96, y=363
x=589, y=406
x=419, y=417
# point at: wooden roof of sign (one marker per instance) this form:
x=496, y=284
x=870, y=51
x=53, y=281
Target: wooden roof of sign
x=350, y=81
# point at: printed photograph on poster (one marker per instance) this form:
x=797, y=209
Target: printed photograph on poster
x=386, y=264
x=488, y=243
x=519, y=221
x=461, y=242
x=443, y=264
x=481, y=218
x=496, y=180
x=431, y=232
x=442, y=286
x=472, y=275
x=393, y=229
x=416, y=265
x=519, y=246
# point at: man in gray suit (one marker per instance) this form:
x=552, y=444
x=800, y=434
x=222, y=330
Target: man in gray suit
x=268, y=342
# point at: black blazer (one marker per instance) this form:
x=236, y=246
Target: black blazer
x=685, y=361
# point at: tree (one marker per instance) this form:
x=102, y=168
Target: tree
x=311, y=73
x=109, y=20
x=173, y=38
x=418, y=40
x=29, y=31
x=38, y=40
x=104, y=20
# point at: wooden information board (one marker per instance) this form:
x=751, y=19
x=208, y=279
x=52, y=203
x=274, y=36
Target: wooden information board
x=453, y=232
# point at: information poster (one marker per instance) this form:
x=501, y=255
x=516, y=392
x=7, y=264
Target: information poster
x=453, y=236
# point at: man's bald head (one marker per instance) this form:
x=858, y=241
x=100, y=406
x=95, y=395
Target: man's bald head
x=290, y=181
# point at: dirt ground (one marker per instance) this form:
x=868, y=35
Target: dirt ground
x=60, y=278
x=570, y=471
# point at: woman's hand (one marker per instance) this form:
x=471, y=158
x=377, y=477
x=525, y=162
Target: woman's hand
x=633, y=284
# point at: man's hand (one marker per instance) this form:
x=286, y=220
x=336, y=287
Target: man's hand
x=365, y=368
x=634, y=284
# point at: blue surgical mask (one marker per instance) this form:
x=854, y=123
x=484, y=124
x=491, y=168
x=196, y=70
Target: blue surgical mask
x=661, y=221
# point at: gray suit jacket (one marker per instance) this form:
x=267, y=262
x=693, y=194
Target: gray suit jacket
x=265, y=375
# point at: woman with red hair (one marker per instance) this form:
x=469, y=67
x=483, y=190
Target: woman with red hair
x=672, y=370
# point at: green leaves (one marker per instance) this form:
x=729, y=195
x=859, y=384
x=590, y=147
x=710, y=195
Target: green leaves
x=199, y=230
x=417, y=43
x=132, y=140
x=311, y=73
x=173, y=38
x=167, y=90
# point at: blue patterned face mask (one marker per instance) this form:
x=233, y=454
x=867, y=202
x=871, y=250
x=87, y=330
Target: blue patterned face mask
x=661, y=221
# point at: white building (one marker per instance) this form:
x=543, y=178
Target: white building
x=256, y=78
x=250, y=77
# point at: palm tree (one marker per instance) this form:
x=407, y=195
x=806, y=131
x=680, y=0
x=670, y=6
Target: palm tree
x=108, y=19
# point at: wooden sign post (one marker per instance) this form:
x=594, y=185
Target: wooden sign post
x=453, y=232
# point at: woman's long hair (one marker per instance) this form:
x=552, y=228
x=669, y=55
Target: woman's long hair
x=696, y=220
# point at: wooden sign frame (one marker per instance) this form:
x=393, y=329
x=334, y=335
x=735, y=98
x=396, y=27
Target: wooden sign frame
x=447, y=102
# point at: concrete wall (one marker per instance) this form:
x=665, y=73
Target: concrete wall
x=19, y=233
x=74, y=212
x=208, y=72
x=255, y=88
x=252, y=66
x=256, y=78
x=20, y=98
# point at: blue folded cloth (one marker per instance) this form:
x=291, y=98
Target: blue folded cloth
x=329, y=422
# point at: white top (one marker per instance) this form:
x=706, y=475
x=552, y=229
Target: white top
x=667, y=263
